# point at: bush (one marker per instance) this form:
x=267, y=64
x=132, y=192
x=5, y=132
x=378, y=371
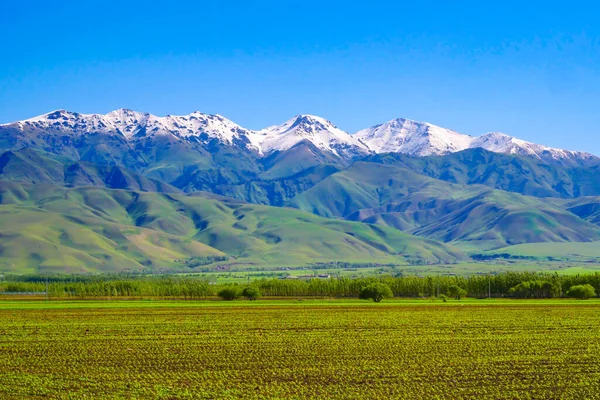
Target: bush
x=251, y=293
x=582, y=292
x=376, y=292
x=229, y=293
x=443, y=297
x=456, y=292
x=537, y=289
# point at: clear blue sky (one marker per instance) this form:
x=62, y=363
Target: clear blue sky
x=529, y=69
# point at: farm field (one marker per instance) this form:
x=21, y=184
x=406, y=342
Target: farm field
x=292, y=349
x=460, y=269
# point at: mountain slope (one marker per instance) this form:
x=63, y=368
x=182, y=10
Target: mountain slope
x=470, y=216
x=34, y=166
x=513, y=173
x=45, y=227
x=34, y=240
x=284, y=174
x=587, y=208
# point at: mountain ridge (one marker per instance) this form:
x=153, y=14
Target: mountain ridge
x=465, y=197
x=399, y=135
x=421, y=139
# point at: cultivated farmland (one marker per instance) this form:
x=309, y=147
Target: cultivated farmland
x=291, y=350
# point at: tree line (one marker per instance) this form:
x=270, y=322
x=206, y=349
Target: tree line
x=508, y=284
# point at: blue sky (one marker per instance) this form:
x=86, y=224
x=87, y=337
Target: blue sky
x=529, y=69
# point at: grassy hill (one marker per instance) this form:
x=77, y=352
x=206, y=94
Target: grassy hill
x=474, y=217
x=512, y=173
x=453, y=199
x=301, y=157
x=272, y=181
x=35, y=240
x=51, y=228
x=35, y=166
x=587, y=208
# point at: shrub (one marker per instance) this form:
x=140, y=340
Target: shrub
x=537, y=289
x=251, y=293
x=582, y=292
x=456, y=292
x=376, y=292
x=443, y=297
x=229, y=293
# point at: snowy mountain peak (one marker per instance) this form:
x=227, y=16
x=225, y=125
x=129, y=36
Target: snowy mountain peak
x=424, y=139
x=319, y=131
x=308, y=119
x=402, y=135
x=134, y=124
x=498, y=135
x=126, y=113
x=126, y=121
x=502, y=143
x=65, y=121
x=54, y=115
x=399, y=135
x=302, y=122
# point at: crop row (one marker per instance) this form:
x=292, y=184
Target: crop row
x=512, y=352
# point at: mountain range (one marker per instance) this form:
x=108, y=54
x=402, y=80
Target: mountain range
x=398, y=192
x=397, y=136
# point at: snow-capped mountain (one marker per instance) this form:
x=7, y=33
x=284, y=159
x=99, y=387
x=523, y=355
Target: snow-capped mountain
x=501, y=143
x=132, y=124
x=415, y=138
x=63, y=128
x=423, y=139
x=319, y=131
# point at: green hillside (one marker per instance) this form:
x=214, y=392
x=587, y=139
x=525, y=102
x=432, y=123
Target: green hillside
x=519, y=174
x=301, y=157
x=474, y=217
x=45, y=227
x=34, y=240
x=587, y=208
x=35, y=166
x=453, y=199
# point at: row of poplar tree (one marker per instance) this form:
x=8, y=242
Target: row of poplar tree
x=509, y=284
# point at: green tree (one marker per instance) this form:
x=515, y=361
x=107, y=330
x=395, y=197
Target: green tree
x=251, y=293
x=229, y=293
x=537, y=289
x=376, y=292
x=582, y=292
x=456, y=292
